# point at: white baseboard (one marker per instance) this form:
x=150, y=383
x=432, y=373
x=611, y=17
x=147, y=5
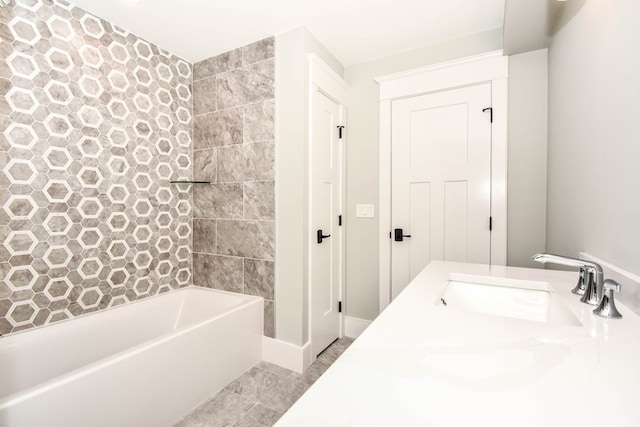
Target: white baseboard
x=286, y=355
x=298, y=358
x=630, y=294
x=353, y=326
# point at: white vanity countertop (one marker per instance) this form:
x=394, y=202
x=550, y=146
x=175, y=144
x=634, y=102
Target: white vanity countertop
x=422, y=364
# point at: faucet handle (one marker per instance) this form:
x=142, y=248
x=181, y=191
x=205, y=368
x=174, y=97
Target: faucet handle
x=612, y=285
x=607, y=307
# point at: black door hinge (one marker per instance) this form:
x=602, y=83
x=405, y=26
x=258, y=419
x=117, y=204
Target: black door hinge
x=490, y=113
x=339, y=306
x=339, y=220
x=340, y=128
x=490, y=223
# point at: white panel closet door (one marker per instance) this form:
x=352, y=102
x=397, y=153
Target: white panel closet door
x=441, y=180
x=326, y=196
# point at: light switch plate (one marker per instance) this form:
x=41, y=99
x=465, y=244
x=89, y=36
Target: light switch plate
x=365, y=211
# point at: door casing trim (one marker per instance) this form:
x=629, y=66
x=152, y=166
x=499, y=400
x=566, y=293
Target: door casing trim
x=490, y=67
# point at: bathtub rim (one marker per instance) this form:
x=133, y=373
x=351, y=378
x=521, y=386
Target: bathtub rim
x=120, y=306
x=45, y=386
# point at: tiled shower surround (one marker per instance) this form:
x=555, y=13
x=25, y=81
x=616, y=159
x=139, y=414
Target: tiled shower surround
x=95, y=122
x=233, y=142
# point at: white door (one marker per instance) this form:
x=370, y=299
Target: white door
x=441, y=180
x=326, y=205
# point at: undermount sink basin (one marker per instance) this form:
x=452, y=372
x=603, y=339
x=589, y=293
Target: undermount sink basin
x=519, y=299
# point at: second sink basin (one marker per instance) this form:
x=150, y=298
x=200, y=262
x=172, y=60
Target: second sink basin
x=519, y=299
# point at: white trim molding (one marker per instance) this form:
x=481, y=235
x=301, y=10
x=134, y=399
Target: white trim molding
x=322, y=76
x=286, y=355
x=492, y=68
x=353, y=326
x=446, y=75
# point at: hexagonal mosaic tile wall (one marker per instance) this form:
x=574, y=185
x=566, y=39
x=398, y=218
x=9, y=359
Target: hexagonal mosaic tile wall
x=95, y=121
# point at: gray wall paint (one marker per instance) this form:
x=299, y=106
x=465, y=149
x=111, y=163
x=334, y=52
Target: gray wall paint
x=594, y=133
x=362, y=159
x=527, y=158
x=233, y=218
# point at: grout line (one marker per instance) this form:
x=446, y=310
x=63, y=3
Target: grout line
x=222, y=110
x=242, y=182
x=244, y=200
x=277, y=373
x=244, y=290
x=235, y=145
x=247, y=66
x=217, y=155
x=215, y=87
x=260, y=141
x=247, y=412
x=233, y=256
x=244, y=121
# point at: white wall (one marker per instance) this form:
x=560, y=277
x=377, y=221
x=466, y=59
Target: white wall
x=593, y=153
x=362, y=159
x=527, y=158
x=594, y=132
x=291, y=191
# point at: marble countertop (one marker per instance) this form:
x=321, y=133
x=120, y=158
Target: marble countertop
x=422, y=364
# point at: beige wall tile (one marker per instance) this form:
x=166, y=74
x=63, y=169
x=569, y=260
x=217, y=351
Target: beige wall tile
x=259, y=278
x=259, y=200
x=250, y=239
x=258, y=51
x=244, y=85
x=205, y=165
x=217, y=64
x=217, y=272
x=218, y=128
x=217, y=201
x=259, y=121
x=204, y=96
x=205, y=230
x=259, y=161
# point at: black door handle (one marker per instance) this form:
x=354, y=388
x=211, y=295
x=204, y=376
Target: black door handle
x=398, y=236
x=321, y=236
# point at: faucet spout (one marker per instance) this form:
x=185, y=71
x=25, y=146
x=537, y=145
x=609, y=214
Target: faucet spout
x=593, y=293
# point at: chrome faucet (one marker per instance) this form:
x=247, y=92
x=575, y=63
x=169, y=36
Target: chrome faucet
x=593, y=289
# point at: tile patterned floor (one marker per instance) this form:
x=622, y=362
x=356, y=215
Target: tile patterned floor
x=260, y=396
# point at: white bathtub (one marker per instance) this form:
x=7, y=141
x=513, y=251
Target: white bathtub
x=141, y=364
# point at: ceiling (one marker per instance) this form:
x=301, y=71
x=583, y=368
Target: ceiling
x=529, y=25
x=354, y=31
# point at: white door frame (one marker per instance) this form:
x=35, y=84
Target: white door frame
x=323, y=79
x=491, y=67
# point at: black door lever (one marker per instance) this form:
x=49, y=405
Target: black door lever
x=321, y=236
x=398, y=236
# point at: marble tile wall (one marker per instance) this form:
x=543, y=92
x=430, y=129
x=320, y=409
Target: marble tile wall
x=95, y=122
x=233, y=137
